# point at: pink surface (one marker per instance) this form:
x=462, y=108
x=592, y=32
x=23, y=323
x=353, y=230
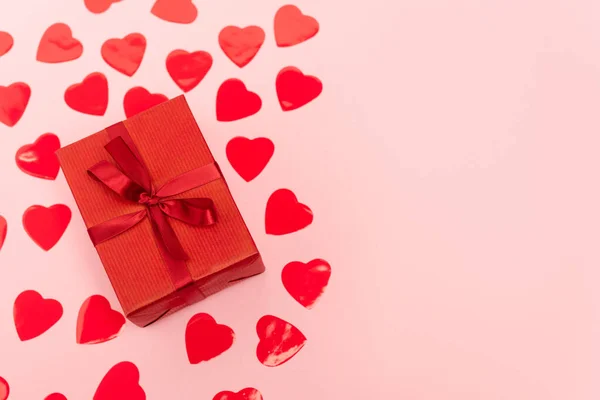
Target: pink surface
x=451, y=165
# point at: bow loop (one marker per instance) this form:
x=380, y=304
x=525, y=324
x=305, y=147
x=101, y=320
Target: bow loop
x=129, y=163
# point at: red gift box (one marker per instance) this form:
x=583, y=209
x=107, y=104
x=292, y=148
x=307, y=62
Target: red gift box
x=159, y=212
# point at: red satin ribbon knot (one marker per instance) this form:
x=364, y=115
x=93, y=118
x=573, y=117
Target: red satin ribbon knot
x=132, y=181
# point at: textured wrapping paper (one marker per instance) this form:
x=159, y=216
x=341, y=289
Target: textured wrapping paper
x=170, y=144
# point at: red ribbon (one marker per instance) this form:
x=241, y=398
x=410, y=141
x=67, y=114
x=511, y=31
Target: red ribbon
x=132, y=182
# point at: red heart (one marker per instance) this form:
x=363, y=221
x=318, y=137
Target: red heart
x=205, y=339
x=45, y=226
x=6, y=43
x=235, y=102
x=293, y=27
x=89, y=96
x=244, y=394
x=188, y=69
x=249, y=157
x=284, y=213
x=279, y=341
x=294, y=89
x=179, y=11
x=125, y=55
x=55, y=396
x=97, y=322
x=138, y=99
x=38, y=159
x=3, y=230
x=306, y=282
x=4, y=389
x=121, y=382
x=13, y=102
x=58, y=45
x=241, y=44
x=34, y=315
x=99, y=6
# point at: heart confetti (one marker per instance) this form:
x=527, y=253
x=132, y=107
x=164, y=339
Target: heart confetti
x=38, y=159
x=292, y=27
x=279, y=341
x=241, y=44
x=138, y=99
x=285, y=214
x=178, y=11
x=13, y=102
x=3, y=230
x=90, y=96
x=4, y=389
x=97, y=322
x=244, y=394
x=205, y=339
x=294, y=89
x=188, y=69
x=235, y=102
x=306, y=282
x=34, y=315
x=6, y=42
x=99, y=6
x=55, y=396
x=125, y=55
x=58, y=45
x=45, y=226
x=121, y=382
x=249, y=157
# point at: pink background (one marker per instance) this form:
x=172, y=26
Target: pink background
x=451, y=163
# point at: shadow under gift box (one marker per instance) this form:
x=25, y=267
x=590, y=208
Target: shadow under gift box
x=170, y=144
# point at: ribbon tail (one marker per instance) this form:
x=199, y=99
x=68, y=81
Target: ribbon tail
x=199, y=212
x=114, y=227
x=165, y=233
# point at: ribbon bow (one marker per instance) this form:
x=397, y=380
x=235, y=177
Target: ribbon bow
x=132, y=182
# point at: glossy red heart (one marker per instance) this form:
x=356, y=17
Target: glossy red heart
x=90, y=96
x=58, y=45
x=294, y=89
x=45, y=226
x=306, y=282
x=293, y=27
x=99, y=6
x=38, y=159
x=188, y=69
x=97, y=322
x=249, y=157
x=6, y=43
x=178, y=11
x=285, y=214
x=138, y=99
x=4, y=389
x=244, y=394
x=121, y=382
x=279, y=341
x=235, y=102
x=34, y=315
x=205, y=339
x=241, y=44
x=55, y=396
x=3, y=230
x=125, y=55
x=13, y=102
